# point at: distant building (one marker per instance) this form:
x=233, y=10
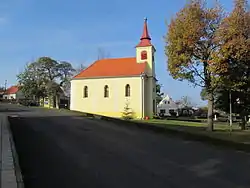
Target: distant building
x=167, y=107
x=60, y=101
x=13, y=92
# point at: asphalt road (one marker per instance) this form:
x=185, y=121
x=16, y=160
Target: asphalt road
x=64, y=150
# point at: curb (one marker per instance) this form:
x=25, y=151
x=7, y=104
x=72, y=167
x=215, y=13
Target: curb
x=184, y=134
x=11, y=176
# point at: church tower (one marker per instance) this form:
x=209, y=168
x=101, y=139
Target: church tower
x=145, y=53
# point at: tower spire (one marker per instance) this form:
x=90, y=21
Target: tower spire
x=145, y=38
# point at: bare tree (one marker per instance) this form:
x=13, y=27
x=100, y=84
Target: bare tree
x=80, y=68
x=102, y=53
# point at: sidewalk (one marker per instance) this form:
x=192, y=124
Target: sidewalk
x=10, y=171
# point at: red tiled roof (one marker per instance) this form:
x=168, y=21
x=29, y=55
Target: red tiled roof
x=113, y=68
x=145, y=38
x=12, y=90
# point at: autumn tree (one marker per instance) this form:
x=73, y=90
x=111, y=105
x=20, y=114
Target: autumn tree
x=189, y=47
x=159, y=93
x=233, y=36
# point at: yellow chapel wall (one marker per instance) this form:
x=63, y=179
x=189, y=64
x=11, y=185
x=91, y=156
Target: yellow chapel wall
x=150, y=69
x=112, y=106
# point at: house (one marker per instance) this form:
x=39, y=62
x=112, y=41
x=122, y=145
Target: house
x=167, y=107
x=13, y=93
x=58, y=101
x=107, y=86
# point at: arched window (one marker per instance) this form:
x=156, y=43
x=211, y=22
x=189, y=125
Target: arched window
x=106, y=91
x=127, y=90
x=144, y=55
x=85, y=92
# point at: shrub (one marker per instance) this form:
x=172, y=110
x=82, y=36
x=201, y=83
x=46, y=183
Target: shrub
x=127, y=113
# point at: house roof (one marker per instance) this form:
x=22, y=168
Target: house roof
x=12, y=90
x=113, y=68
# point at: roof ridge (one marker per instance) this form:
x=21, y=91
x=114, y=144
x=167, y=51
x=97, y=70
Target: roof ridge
x=117, y=58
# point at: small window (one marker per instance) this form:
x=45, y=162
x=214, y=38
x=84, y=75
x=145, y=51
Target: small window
x=162, y=111
x=106, y=91
x=168, y=102
x=85, y=92
x=144, y=55
x=165, y=102
x=127, y=90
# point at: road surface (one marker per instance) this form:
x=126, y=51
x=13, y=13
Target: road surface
x=58, y=150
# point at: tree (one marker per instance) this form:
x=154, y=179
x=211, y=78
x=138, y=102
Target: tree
x=50, y=71
x=203, y=94
x=45, y=77
x=189, y=47
x=102, y=54
x=186, y=101
x=159, y=94
x=233, y=36
x=127, y=113
x=80, y=68
x=32, y=81
x=2, y=89
x=66, y=72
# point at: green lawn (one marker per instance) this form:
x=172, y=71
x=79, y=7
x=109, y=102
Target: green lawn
x=222, y=130
x=217, y=125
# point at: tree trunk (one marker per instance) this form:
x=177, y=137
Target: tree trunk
x=210, y=120
x=54, y=101
x=243, y=120
x=57, y=101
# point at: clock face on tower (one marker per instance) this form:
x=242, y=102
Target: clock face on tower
x=144, y=55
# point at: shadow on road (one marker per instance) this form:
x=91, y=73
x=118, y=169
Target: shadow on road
x=6, y=110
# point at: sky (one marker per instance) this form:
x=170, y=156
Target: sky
x=73, y=30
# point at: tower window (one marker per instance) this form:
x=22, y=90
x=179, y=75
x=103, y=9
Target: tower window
x=106, y=91
x=127, y=90
x=144, y=55
x=85, y=92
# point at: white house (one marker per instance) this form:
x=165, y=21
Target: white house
x=13, y=92
x=167, y=106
